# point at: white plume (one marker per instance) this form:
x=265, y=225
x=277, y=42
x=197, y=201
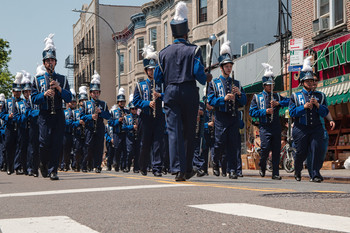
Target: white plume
x=73, y=92
x=181, y=11
x=307, y=64
x=96, y=78
x=114, y=107
x=49, y=42
x=18, y=78
x=83, y=90
x=131, y=97
x=347, y=163
x=27, y=78
x=268, y=69
x=40, y=70
x=225, y=48
x=121, y=91
x=149, y=53
x=2, y=97
x=204, y=90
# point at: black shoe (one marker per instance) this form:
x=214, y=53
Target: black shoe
x=19, y=171
x=223, y=174
x=30, y=173
x=164, y=171
x=216, y=170
x=36, y=174
x=97, y=170
x=189, y=175
x=109, y=168
x=233, y=175
x=157, y=174
x=66, y=169
x=317, y=180
x=262, y=172
x=116, y=169
x=180, y=176
x=84, y=170
x=144, y=173
x=53, y=176
x=9, y=172
x=240, y=175
x=276, y=177
x=43, y=170
x=126, y=170
x=136, y=171
x=297, y=176
x=200, y=173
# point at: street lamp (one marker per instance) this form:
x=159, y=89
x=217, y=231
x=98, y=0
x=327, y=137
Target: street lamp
x=115, y=40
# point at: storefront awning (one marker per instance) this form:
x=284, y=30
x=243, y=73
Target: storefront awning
x=258, y=87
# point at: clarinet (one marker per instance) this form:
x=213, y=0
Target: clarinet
x=197, y=125
x=14, y=123
x=272, y=99
x=231, y=103
x=211, y=119
x=95, y=121
x=52, y=98
x=155, y=100
x=134, y=123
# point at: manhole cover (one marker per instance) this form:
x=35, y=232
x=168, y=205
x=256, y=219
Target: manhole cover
x=311, y=195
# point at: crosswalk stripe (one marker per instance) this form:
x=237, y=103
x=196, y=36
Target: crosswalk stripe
x=52, y=224
x=306, y=219
x=85, y=190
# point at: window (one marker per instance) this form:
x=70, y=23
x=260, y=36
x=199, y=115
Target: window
x=121, y=65
x=202, y=16
x=204, y=54
x=130, y=60
x=140, y=45
x=153, y=38
x=221, y=7
x=165, y=34
x=92, y=37
x=330, y=13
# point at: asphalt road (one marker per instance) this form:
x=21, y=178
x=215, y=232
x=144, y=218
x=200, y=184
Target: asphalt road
x=128, y=202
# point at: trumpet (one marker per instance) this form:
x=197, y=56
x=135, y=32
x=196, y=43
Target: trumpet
x=52, y=98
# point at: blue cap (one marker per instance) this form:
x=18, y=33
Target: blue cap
x=50, y=53
x=16, y=87
x=150, y=63
x=95, y=87
x=26, y=87
x=131, y=105
x=179, y=27
x=225, y=58
x=268, y=80
x=306, y=75
x=121, y=97
x=83, y=96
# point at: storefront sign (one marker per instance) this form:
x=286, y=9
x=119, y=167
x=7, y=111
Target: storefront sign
x=294, y=68
x=296, y=44
x=296, y=57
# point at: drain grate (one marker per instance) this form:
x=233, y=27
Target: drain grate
x=311, y=195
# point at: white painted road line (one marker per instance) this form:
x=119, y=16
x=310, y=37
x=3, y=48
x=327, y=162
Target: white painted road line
x=86, y=190
x=54, y=224
x=306, y=219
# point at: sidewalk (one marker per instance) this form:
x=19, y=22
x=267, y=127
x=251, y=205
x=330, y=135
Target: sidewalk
x=337, y=175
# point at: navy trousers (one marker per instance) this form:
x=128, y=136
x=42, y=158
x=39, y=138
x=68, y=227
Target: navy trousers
x=270, y=141
x=119, y=154
x=152, y=133
x=67, y=149
x=10, y=145
x=94, y=145
x=21, y=149
x=33, y=148
x=208, y=146
x=308, y=139
x=181, y=102
x=78, y=151
x=133, y=151
x=198, y=159
x=2, y=151
x=51, y=131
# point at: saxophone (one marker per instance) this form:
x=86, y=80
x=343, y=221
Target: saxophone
x=52, y=98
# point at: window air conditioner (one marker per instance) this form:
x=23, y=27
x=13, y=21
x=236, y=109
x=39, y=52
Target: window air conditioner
x=320, y=24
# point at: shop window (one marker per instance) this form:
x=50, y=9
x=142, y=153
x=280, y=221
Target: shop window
x=202, y=11
x=153, y=38
x=140, y=45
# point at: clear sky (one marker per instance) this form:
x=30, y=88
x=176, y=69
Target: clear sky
x=26, y=23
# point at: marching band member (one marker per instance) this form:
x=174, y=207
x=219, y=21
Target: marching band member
x=132, y=139
x=147, y=97
x=48, y=92
x=9, y=115
x=307, y=106
x=79, y=131
x=119, y=134
x=2, y=135
x=266, y=105
x=198, y=159
x=226, y=95
x=92, y=113
x=180, y=65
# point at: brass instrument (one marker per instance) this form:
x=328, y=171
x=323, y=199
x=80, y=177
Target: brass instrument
x=52, y=98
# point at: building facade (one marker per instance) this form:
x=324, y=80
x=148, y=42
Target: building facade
x=228, y=19
x=94, y=48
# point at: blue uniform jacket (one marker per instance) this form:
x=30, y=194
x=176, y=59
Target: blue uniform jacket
x=9, y=106
x=87, y=110
x=114, y=120
x=306, y=116
x=41, y=84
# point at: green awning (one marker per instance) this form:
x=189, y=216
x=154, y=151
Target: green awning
x=258, y=87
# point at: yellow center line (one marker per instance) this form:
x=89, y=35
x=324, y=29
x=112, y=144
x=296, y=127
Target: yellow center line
x=202, y=184
x=325, y=191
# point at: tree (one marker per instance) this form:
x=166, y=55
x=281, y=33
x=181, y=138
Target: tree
x=6, y=78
